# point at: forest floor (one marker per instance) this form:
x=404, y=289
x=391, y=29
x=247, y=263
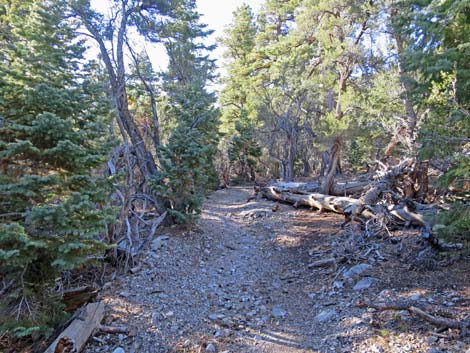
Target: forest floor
x=236, y=283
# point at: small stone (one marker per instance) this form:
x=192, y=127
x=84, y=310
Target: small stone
x=214, y=317
x=278, y=312
x=377, y=348
x=356, y=270
x=364, y=283
x=434, y=350
x=326, y=315
x=155, y=317
x=159, y=242
x=338, y=285
x=119, y=350
x=210, y=348
x=415, y=297
x=135, y=269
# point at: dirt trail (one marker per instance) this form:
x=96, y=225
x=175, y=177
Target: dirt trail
x=234, y=283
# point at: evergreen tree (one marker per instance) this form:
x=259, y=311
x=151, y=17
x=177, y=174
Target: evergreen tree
x=244, y=149
x=238, y=99
x=187, y=159
x=436, y=58
x=51, y=136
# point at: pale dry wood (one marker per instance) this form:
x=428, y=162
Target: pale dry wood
x=338, y=189
x=323, y=263
x=422, y=314
x=112, y=329
x=80, y=329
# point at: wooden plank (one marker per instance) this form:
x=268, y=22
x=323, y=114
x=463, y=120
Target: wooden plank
x=79, y=331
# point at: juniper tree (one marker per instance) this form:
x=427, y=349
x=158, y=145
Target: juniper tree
x=52, y=136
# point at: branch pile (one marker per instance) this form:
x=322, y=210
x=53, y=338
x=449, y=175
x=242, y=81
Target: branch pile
x=387, y=204
x=140, y=213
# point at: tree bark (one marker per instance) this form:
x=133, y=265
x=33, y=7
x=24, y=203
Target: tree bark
x=334, y=154
x=405, y=83
x=76, y=335
x=117, y=79
x=153, y=104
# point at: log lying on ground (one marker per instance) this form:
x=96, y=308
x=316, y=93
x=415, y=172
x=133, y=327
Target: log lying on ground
x=318, y=201
x=414, y=310
x=368, y=207
x=339, y=189
x=75, y=297
x=75, y=336
x=351, y=208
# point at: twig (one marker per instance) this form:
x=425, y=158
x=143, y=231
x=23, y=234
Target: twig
x=155, y=225
x=112, y=329
x=403, y=305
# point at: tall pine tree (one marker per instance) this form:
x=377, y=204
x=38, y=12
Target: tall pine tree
x=52, y=135
x=187, y=159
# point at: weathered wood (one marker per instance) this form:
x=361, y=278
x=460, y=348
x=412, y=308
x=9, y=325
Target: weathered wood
x=317, y=201
x=79, y=331
x=112, y=329
x=74, y=298
x=384, y=182
x=413, y=309
x=338, y=189
x=323, y=263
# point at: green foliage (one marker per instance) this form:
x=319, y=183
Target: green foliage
x=454, y=224
x=244, y=150
x=187, y=169
x=52, y=134
x=357, y=153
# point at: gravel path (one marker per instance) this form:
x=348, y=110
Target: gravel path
x=240, y=282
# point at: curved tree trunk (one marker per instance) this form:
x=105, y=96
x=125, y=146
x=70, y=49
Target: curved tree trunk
x=334, y=154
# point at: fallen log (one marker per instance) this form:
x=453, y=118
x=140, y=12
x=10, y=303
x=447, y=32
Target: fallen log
x=75, y=336
x=338, y=189
x=317, y=201
x=351, y=208
x=74, y=298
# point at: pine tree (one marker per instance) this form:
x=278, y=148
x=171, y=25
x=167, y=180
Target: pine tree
x=244, y=150
x=238, y=100
x=436, y=58
x=187, y=159
x=51, y=136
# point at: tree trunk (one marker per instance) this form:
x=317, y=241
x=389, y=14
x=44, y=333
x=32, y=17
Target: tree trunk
x=117, y=79
x=153, y=104
x=306, y=167
x=325, y=158
x=406, y=87
x=145, y=159
x=334, y=154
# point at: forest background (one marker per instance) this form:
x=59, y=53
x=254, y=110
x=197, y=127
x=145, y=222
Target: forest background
x=96, y=153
